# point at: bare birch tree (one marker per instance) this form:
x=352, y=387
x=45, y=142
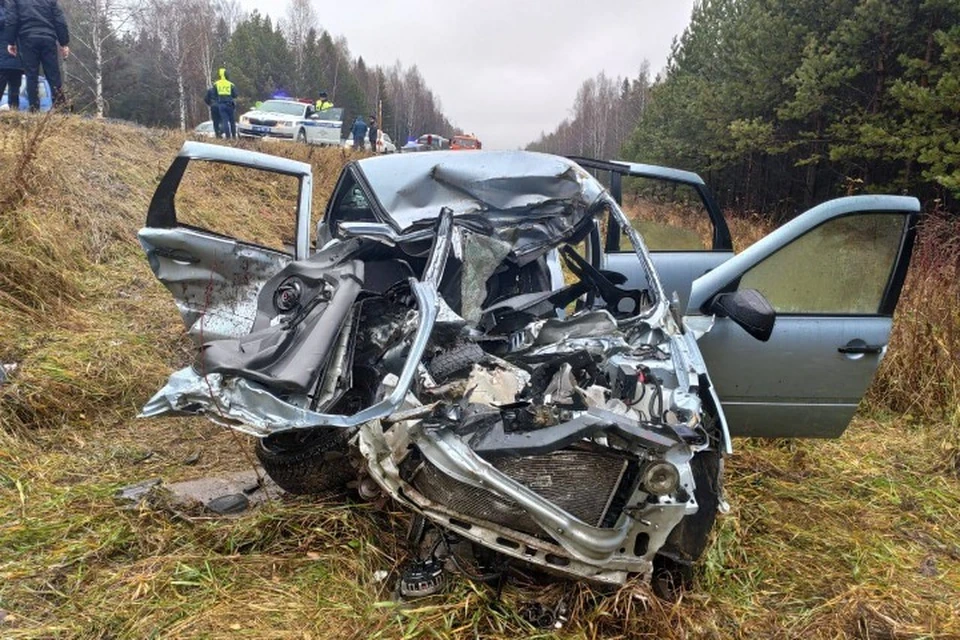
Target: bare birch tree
x=301, y=18
x=171, y=21
x=95, y=23
x=230, y=12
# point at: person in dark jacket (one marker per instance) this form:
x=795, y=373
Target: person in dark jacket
x=359, y=131
x=11, y=69
x=374, y=133
x=227, y=101
x=35, y=30
x=211, y=101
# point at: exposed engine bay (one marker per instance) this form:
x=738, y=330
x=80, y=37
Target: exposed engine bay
x=480, y=369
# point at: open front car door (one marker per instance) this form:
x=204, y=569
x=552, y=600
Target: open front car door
x=803, y=317
x=215, y=279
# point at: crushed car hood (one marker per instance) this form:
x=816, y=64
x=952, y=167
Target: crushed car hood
x=526, y=199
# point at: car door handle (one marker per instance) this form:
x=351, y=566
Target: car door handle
x=861, y=348
x=179, y=256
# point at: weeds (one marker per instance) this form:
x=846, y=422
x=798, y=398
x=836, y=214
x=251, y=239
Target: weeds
x=921, y=374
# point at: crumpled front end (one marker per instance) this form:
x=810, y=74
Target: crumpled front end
x=559, y=424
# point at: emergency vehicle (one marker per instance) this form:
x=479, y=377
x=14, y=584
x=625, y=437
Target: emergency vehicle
x=465, y=142
x=297, y=120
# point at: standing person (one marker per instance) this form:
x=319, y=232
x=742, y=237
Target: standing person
x=211, y=101
x=359, y=133
x=227, y=101
x=35, y=29
x=323, y=104
x=11, y=69
x=374, y=135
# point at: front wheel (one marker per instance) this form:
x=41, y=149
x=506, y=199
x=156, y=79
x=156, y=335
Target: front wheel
x=307, y=462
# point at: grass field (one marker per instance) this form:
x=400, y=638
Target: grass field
x=855, y=538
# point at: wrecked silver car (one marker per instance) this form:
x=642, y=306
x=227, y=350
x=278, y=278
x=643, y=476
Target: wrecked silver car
x=458, y=335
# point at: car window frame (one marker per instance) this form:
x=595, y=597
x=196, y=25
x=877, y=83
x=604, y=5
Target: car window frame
x=162, y=211
x=895, y=280
x=353, y=170
x=721, y=241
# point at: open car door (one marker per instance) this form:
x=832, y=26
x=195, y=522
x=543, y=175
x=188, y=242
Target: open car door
x=681, y=224
x=214, y=278
x=833, y=278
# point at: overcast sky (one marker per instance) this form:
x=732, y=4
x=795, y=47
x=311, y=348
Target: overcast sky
x=505, y=69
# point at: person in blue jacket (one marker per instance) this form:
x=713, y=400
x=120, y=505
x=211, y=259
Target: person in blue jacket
x=11, y=69
x=212, y=103
x=36, y=30
x=359, y=131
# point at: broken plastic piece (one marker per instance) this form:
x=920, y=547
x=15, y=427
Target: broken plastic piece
x=230, y=504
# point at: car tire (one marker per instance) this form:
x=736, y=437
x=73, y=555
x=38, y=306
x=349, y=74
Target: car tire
x=302, y=136
x=454, y=360
x=315, y=461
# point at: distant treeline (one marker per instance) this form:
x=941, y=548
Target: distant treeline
x=783, y=103
x=150, y=61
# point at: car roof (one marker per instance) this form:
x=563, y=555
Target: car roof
x=414, y=187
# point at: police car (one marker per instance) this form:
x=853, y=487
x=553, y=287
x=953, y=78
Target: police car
x=292, y=120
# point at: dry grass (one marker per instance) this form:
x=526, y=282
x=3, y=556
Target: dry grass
x=920, y=378
x=851, y=538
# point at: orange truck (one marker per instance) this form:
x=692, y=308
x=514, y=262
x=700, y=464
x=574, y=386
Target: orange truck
x=465, y=143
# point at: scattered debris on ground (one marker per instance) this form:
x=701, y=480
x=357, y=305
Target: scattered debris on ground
x=228, y=495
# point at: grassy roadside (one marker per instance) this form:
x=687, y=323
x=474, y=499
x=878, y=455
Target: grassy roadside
x=850, y=538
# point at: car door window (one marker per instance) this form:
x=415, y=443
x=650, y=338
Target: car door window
x=671, y=216
x=350, y=204
x=254, y=207
x=842, y=267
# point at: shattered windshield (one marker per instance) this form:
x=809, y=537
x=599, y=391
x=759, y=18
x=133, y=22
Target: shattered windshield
x=532, y=203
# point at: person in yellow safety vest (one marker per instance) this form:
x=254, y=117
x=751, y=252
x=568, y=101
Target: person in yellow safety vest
x=323, y=104
x=227, y=101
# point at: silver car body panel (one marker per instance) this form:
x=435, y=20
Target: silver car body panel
x=216, y=280
x=662, y=173
x=798, y=384
x=250, y=408
x=162, y=211
x=505, y=184
x=677, y=269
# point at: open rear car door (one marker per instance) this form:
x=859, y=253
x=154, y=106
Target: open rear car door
x=681, y=224
x=832, y=278
x=215, y=279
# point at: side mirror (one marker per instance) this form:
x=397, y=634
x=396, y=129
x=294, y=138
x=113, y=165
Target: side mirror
x=749, y=309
